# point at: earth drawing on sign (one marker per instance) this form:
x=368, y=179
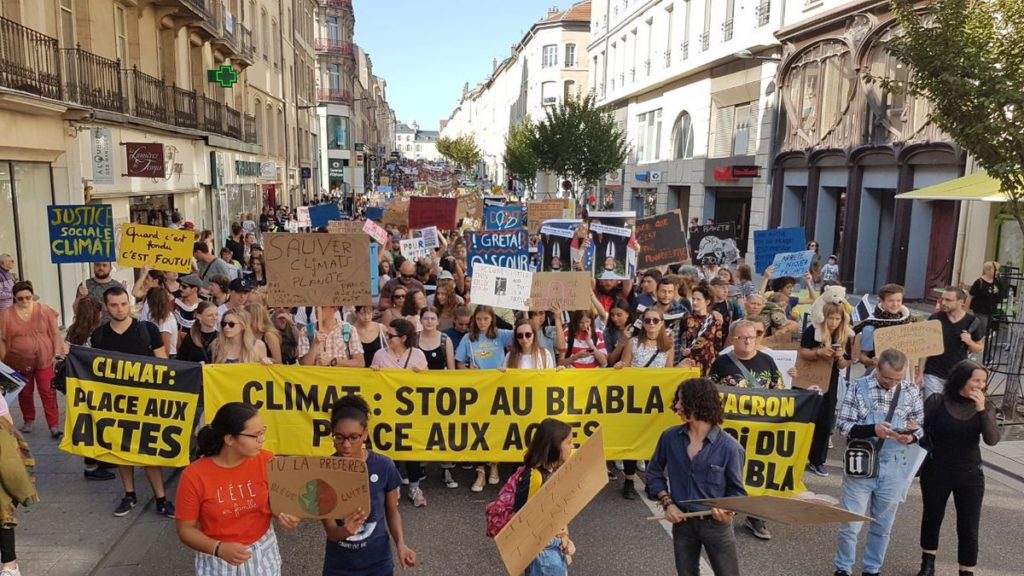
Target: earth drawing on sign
x=317, y=497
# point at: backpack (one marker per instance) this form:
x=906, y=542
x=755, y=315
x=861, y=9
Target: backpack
x=503, y=508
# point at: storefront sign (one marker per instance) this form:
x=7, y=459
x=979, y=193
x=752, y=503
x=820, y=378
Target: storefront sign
x=247, y=168
x=730, y=173
x=613, y=179
x=268, y=171
x=336, y=168
x=642, y=176
x=102, y=156
x=144, y=160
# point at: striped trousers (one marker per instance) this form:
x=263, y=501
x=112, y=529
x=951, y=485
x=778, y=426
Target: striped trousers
x=265, y=561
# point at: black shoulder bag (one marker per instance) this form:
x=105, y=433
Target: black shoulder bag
x=861, y=457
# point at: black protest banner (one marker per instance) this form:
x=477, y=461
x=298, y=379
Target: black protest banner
x=714, y=244
x=130, y=410
x=662, y=240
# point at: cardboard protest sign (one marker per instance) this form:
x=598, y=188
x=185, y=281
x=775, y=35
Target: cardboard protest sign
x=302, y=216
x=344, y=227
x=495, y=200
x=784, y=360
x=429, y=235
x=425, y=211
x=781, y=341
x=558, y=501
x=794, y=264
x=397, y=214
x=768, y=243
x=916, y=340
x=567, y=290
x=374, y=213
x=812, y=373
x=500, y=287
x=613, y=249
x=375, y=231
x=414, y=249
x=789, y=511
x=470, y=207
x=508, y=249
x=130, y=410
x=321, y=214
x=503, y=217
x=714, y=244
x=309, y=487
x=317, y=269
x=542, y=210
x=160, y=248
x=559, y=247
x=81, y=233
x=662, y=240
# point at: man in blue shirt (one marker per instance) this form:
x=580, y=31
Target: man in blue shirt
x=696, y=461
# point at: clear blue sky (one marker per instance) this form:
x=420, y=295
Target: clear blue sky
x=427, y=49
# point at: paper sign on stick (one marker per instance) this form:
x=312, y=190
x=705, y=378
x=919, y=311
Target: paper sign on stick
x=916, y=340
x=160, y=248
x=568, y=290
x=792, y=264
x=317, y=487
x=558, y=501
x=81, y=233
x=374, y=230
x=414, y=248
x=790, y=511
x=500, y=287
x=714, y=244
x=784, y=360
x=425, y=211
x=817, y=373
x=317, y=269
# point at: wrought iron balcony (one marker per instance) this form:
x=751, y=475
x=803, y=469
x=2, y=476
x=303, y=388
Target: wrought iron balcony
x=93, y=81
x=684, y=49
x=727, y=27
x=147, y=96
x=212, y=118
x=763, y=13
x=246, y=54
x=705, y=41
x=232, y=122
x=334, y=46
x=29, y=61
x=336, y=96
x=249, y=126
x=184, y=113
x=668, y=58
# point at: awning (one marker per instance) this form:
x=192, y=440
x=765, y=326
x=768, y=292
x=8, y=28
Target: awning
x=978, y=186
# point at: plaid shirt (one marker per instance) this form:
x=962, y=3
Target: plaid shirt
x=855, y=410
x=335, y=347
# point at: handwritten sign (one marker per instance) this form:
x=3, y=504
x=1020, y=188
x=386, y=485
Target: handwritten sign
x=375, y=231
x=317, y=269
x=345, y=227
x=566, y=493
x=317, y=487
x=302, y=215
x=81, y=233
x=414, y=248
x=916, y=340
x=541, y=210
x=508, y=249
x=397, y=214
x=789, y=511
x=794, y=264
x=469, y=207
x=425, y=211
x=500, y=287
x=714, y=244
x=321, y=214
x=503, y=217
x=567, y=290
x=812, y=373
x=159, y=248
x=429, y=235
x=768, y=243
x=662, y=240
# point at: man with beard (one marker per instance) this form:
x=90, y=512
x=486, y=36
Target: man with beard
x=961, y=335
x=96, y=286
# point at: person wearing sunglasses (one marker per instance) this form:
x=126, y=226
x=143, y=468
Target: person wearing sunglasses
x=230, y=535
x=237, y=344
x=396, y=303
x=525, y=352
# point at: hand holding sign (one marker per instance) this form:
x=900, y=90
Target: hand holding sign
x=793, y=264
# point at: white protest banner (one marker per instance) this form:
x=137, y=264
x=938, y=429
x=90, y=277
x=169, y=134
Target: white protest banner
x=429, y=236
x=501, y=287
x=792, y=264
x=784, y=360
x=414, y=249
x=375, y=231
x=302, y=212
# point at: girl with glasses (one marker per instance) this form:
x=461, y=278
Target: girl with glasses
x=236, y=343
x=525, y=352
x=230, y=535
x=359, y=545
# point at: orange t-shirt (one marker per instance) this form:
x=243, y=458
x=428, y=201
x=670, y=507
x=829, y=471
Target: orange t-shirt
x=230, y=504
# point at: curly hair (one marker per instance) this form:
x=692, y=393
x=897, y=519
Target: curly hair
x=698, y=398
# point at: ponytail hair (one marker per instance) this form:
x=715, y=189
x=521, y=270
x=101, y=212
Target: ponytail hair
x=229, y=421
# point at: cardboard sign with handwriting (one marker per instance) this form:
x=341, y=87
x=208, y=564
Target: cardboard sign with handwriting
x=469, y=207
x=379, y=235
x=397, y=214
x=541, y=210
x=568, y=290
x=789, y=511
x=566, y=493
x=345, y=227
x=317, y=269
x=817, y=373
x=318, y=487
x=916, y=340
x=440, y=212
x=160, y=248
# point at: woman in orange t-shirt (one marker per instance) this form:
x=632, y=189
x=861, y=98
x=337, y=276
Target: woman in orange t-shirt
x=223, y=500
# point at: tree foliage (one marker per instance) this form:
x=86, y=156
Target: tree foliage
x=968, y=60
x=578, y=141
x=461, y=150
x=520, y=160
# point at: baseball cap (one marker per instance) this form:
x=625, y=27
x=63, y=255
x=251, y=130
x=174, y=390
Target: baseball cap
x=240, y=285
x=191, y=280
x=445, y=275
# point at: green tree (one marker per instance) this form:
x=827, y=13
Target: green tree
x=968, y=60
x=578, y=141
x=520, y=160
x=461, y=150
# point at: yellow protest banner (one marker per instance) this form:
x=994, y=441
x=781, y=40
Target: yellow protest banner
x=130, y=410
x=160, y=248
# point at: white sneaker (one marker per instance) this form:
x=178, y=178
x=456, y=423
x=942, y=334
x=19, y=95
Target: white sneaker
x=417, y=497
x=619, y=466
x=16, y=571
x=641, y=465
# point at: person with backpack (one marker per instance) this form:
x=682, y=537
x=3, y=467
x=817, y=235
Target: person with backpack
x=334, y=343
x=550, y=448
x=358, y=545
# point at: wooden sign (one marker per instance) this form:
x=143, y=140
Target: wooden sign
x=558, y=501
x=662, y=240
x=817, y=373
x=539, y=211
x=568, y=290
x=916, y=340
x=160, y=248
x=345, y=227
x=317, y=269
x=396, y=214
x=318, y=487
x=440, y=212
x=789, y=511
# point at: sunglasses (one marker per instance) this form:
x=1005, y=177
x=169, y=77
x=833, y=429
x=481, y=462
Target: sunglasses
x=228, y=324
x=652, y=321
x=524, y=335
x=398, y=297
x=390, y=335
x=23, y=298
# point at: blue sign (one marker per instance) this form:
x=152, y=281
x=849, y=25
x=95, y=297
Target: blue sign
x=508, y=249
x=642, y=176
x=385, y=189
x=768, y=243
x=793, y=264
x=374, y=270
x=321, y=214
x=81, y=233
x=374, y=213
x=305, y=172
x=503, y=217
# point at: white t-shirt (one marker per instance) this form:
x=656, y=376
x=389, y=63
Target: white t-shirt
x=169, y=326
x=526, y=361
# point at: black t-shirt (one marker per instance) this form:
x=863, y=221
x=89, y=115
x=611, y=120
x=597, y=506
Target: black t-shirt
x=808, y=341
x=237, y=249
x=133, y=341
x=985, y=296
x=762, y=369
x=954, y=350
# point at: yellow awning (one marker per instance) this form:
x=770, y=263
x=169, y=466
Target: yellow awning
x=978, y=186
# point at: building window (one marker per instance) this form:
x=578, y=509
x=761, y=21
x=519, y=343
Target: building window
x=333, y=34
x=25, y=191
x=549, y=56
x=264, y=32
x=333, y=78
x=682, y=137
x=337, y=133
x=273, y=47
x=741, y=134
x=649, y=136
x=570, y=90
x=549, y=93
x=570, y=55
x=120, y=33
x=67, y=23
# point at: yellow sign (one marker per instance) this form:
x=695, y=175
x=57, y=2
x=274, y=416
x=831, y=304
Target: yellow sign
x=160, y=248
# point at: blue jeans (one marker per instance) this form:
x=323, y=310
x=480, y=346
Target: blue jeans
x=550, y=561
x=878, y=498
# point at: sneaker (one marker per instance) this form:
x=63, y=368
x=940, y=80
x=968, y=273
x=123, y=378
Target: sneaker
x=841, y=573
x=56, y=433
x=641, y=465
x=27, y=427
x=165, y=508
x=629, y=490
x=619, y=465
x=818, y=470
x=417, y=497
x=478, y=484
x=98, y=474
x=126, y=505
x=611, y=475
x=405, y=481
x=869, y=574
x=494, y=478
x=16, y=571
x=758, y=528
x=449, y=481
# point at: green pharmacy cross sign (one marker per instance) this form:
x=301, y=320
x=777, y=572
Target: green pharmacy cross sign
x=225, y=76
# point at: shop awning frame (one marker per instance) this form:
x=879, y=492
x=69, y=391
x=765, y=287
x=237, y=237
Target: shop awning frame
x=978, y=186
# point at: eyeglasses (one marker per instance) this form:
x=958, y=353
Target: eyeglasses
x=390, y=335
x=652, y=321
x=744, y=338
x=228, y=324
x=23, y=298
x=524, y=335
x=260, y=437
x=342, y=439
